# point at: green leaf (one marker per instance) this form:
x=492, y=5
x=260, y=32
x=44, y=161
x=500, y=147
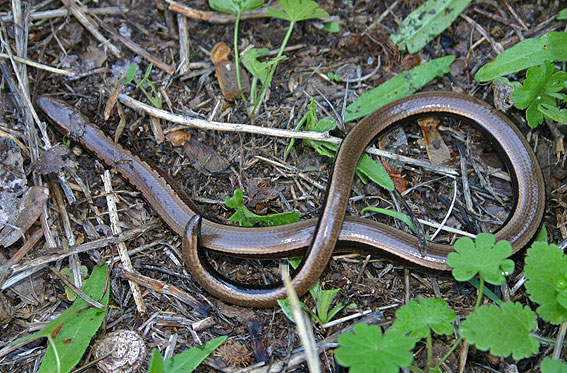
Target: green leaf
x=486, y=258
x=402, y=85
x=247, y=218
x=68, y=273
x=530, y=52
x=260, y=70
x=78, y=325
x=553, y=366
x=553, y=112
x=367, y=350
x=541, y=87
x=190, y=359
x=323, y=303
x=156, y=363
x=297, y=10
x=332, y=26
x=420, y=315
x=545, y=268
x=542, y=234
x=426, y=22
x=235, y=6
x=503, y=330
x=130, y=73
x=395, y=214
x=375, y=172
x=562, y=15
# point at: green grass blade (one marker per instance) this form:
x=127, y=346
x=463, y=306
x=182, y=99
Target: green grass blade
x=402, y=85
x=530, y=52
x=426, y=22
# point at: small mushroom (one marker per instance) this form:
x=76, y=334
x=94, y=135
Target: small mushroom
x=122, y=351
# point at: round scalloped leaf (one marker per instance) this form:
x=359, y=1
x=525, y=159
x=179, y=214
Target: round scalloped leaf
x=367, y=350
x=487, y=258
x=553, y=366
x=503, y=330
x=545, y=269
x=420, y=315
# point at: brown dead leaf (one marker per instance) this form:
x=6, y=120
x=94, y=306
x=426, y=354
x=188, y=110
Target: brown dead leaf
x=226, y=72
x=203, y=158
x=178, y=137
x=52, y=160
x=437, y=151
x=24, y=214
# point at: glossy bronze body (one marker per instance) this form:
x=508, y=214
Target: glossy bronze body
x=177, y=210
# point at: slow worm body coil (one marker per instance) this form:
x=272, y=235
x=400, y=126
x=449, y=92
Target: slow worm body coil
x=178, y=211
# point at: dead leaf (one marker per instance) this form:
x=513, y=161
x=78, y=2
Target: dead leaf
x=203, y=158
x=178, y=137
x=24, y=214
x=52, y=160
x=226, y=72
x=437, y=151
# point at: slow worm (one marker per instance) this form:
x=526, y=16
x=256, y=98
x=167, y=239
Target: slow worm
x=332, y=227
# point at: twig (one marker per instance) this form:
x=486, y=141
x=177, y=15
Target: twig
x=41, y=66
x=123, y=251
x=77, y=291
x=57, y=13
x=304, y=328
x=78, y=249
x=90, y=25
x=212, y=17
x=190, y=122
x=162, y=288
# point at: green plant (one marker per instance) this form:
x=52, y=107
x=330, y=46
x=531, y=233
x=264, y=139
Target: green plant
x=236, y=7
x=186, y=361
x=529, y=52
x=69, y=334
x=293, y=11
x=540, y=93
x=247, y=218
x=367, y=168
x=143, y=84
x=504, y=329
x=323, y=300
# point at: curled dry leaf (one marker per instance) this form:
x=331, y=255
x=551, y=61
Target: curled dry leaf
x=125, y=352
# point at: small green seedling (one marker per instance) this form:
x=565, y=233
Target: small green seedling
x=187, y=361
x=247, y=218
x=540, y=93
x=143, y=84
x=323, y=300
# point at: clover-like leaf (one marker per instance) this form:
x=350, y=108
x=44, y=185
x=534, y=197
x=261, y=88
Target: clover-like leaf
x=553, y=366
x=420, y=315
x=486, y=258
x=503, y=330
x=297, y=10
x=541, y=87
x=367, y=350
x=546, y=271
